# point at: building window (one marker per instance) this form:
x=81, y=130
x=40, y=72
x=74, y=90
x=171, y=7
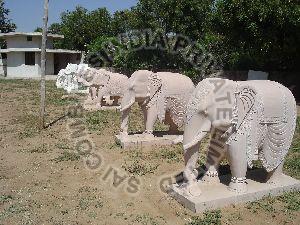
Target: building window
x=30, y=58
x=29, y=38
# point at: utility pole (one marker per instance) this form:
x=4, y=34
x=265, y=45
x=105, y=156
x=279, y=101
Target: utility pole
x=43, y=65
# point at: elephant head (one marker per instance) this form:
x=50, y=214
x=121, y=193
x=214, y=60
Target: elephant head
x=209, y=106
x=200, y=113
x=139, y=89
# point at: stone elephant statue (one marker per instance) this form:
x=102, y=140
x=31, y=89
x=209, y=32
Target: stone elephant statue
x=251, y=120
x=102, y=83
x=67, y=79
x=160, y=95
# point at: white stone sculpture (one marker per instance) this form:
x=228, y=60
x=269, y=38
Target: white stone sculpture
x=252, y=120
x=102, y=85
x=67, y=78
x=160, y=95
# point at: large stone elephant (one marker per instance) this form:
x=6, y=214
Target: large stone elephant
x=250, y=120
x=160, y=95
x=102, y=83
x=67, y=79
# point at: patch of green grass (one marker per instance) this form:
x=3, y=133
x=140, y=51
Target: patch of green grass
x=67, y=156
x=236, y=216
x=171, y=154
x=103, y=120
x=5, y=198
x=140, y=168
x=89, y=199
x=40, y=149
x=85, y=202
x=136, y=119
x=292, y=200
x=209, y=218
x=292, y=165
x=62, y=145
x=146, y=219
x=296, y=143
x=59, y=101
x=265, y=204
x=13, y=210
x=30, y=123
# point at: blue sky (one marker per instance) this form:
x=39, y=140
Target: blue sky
x=27, y=14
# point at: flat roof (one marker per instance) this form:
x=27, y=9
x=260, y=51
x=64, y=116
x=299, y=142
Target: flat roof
x=11, y=34
x=8, y=50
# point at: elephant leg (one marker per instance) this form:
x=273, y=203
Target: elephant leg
x=151, y=118
x=173, y=128
x=100, y=96
x=89, y=99
x=116, y=100
x=215, y=153
x=238, y=165
x=124, y=124
x=93, y=92
x=274, y=176
x=191, y=156
x=99, y=101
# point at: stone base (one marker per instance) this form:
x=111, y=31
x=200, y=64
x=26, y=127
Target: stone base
x=140, y=140
x=217, y=195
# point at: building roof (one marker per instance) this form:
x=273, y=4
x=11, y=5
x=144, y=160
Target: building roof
x=8, y=50
x=12, y=34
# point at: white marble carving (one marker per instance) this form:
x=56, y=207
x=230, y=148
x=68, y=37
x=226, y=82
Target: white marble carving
x=67, y=78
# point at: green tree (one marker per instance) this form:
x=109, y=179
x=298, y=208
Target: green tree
x=55, y=28
x=38, y=29
x=6, y=25
x=256, y=34
x=187, y=17
x=81, y=27
x=124, y=21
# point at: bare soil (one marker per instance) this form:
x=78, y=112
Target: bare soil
x=43, y=179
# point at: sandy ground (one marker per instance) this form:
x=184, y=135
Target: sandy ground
x=44, y=180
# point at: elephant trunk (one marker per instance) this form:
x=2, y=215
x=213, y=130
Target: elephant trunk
x=83, y=82
x=127, y=100
x=195, y=130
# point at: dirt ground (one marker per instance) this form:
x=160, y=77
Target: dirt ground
x=44, y=179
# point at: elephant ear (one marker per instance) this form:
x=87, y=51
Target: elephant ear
x=71, y=69
x=245, y=100
x=157, y=95
x=244, y=121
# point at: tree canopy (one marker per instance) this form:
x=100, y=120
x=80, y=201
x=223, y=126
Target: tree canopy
x=240, y=34
x=6, y=25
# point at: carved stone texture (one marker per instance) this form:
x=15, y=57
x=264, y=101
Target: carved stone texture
x=67, y=79
x=249, y=120
x=162, y=96
x=215, y=196
x=105, y=87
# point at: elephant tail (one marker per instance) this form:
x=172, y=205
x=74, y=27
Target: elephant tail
x=279, y=136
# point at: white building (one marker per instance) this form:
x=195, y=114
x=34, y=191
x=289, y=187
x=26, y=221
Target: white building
x=22, y=57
